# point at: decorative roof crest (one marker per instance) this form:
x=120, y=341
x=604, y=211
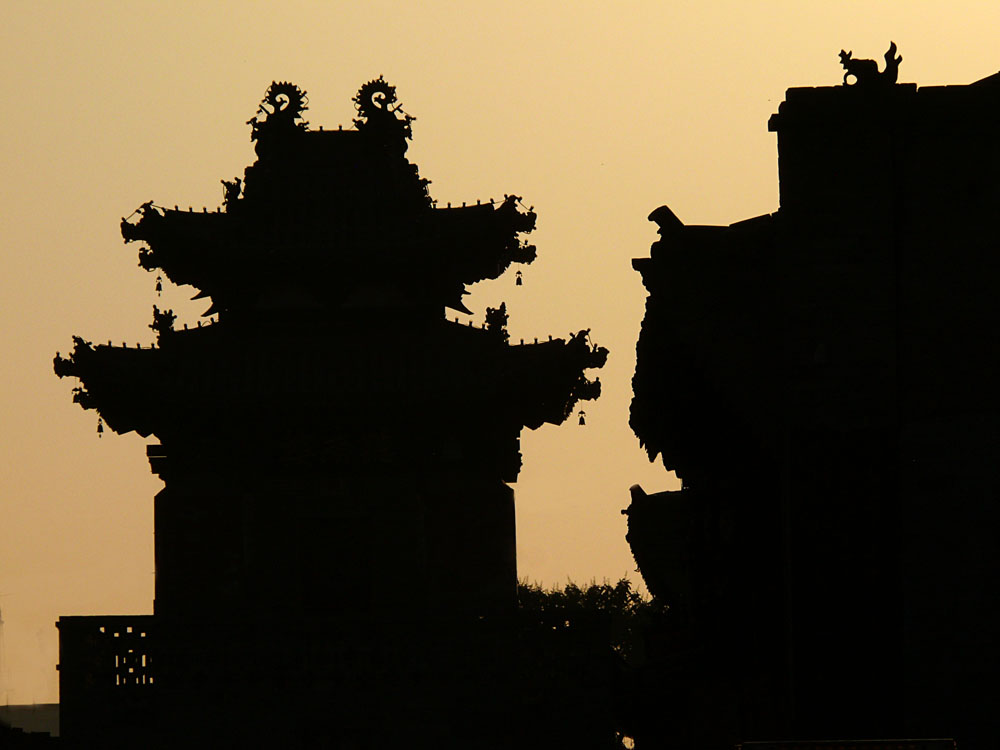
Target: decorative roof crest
x=377, y=105
x=866, y=73
x=283, y=106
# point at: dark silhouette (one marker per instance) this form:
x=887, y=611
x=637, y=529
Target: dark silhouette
x=163, y=322
x=823, y=380
x=579, y=649
x=866, y=73
x=29, y=726
x=335, y=540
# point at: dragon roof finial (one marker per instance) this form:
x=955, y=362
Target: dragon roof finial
x=866, y=72
x=377, y=105
x=283, y=106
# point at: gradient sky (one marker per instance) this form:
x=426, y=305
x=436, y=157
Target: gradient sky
x=596, y=113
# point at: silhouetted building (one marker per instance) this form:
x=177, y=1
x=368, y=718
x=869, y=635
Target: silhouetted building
x=823, y=380
x=33, y=725
x=336, y=534
x=107, y=690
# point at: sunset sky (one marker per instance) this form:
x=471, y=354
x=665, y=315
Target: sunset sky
x=595, y=113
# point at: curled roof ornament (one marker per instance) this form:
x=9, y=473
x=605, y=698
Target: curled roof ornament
x=378, y=106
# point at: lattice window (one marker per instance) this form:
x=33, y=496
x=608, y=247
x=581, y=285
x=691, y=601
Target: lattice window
x=132, y=667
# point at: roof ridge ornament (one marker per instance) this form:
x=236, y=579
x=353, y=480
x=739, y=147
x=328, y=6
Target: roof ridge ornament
x=283, y=105
x=377, y=106
x=866, y=73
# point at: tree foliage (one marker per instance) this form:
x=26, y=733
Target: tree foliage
x=580, y=646
x=614, y=607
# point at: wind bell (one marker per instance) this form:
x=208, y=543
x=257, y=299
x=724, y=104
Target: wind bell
x=159, y=286
x=517, y=281
x=582, y=415
x=100, y=427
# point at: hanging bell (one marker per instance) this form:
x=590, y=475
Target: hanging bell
x=583, y=414
x=517, y=281
x=100, y=427
x=159, y=286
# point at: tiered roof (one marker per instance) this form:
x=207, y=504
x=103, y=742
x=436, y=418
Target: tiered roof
x=329, y=267
x=340, y=215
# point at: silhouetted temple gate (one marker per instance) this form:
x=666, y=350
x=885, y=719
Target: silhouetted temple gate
x=823, y=379
x=335, y=539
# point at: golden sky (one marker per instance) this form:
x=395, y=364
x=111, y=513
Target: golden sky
x=596, y=113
